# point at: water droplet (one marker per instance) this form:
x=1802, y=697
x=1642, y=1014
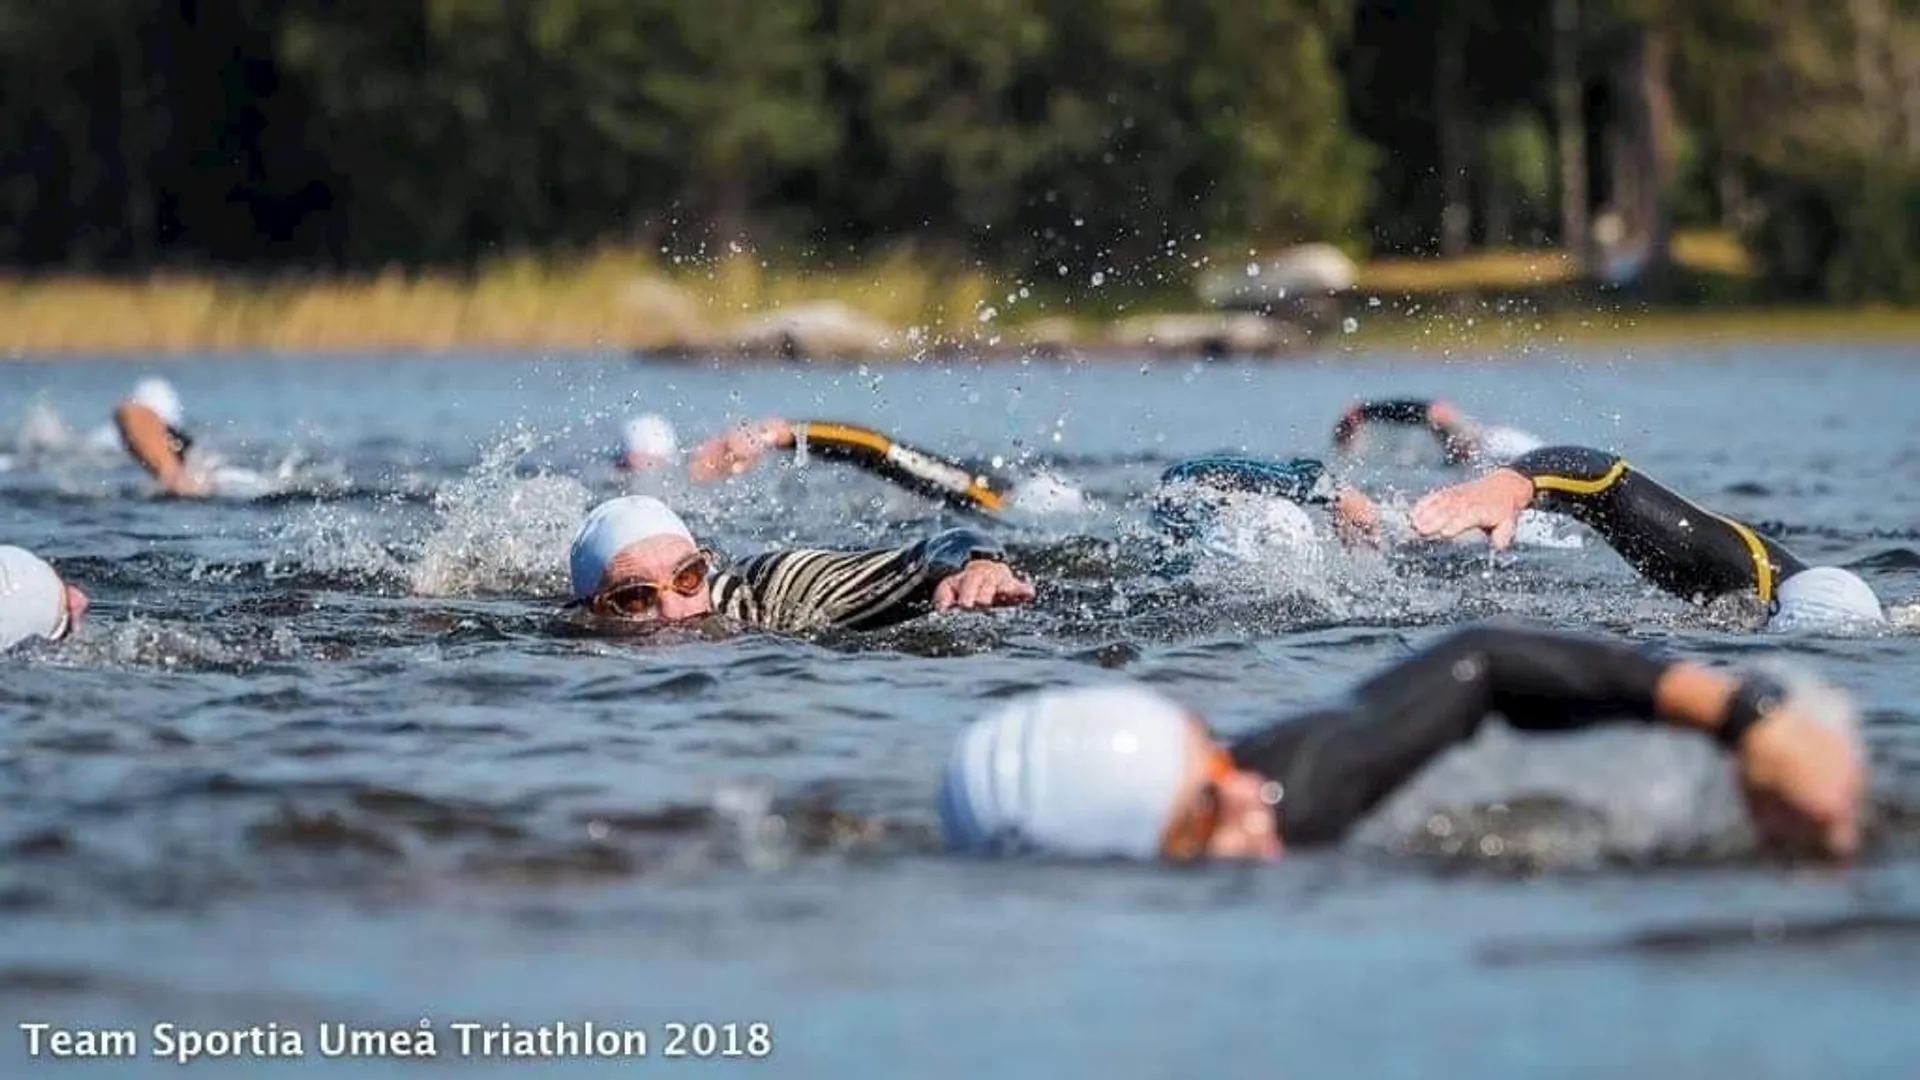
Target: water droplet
x=988, y=313
x=1099, y=278
x=1253, y=269
x=1349, y=324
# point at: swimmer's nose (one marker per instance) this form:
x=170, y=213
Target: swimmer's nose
x=77, y=603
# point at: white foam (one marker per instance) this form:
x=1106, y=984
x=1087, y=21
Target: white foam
x=499, y=532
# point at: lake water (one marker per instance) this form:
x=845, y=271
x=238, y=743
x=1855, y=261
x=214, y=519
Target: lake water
x=329, y=757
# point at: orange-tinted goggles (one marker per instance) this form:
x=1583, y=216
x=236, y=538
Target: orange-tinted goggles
x=1188, y=834
x=641, y=599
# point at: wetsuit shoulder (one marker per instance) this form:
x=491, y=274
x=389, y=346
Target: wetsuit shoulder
x=1335, y=765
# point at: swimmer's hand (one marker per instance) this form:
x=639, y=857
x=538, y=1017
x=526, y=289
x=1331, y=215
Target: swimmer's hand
x=1803, y=782
x=1355, y=517
x=984, y=583
x=738, y=450
x=1491, y=504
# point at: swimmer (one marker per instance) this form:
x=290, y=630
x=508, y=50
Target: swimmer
x=1196, y=494
x=1122, y=771
x=633, y=558
x=1462, y=439
x=149, y=423
x=1687, y=550
x=963, y=486
x=34, y=601
x=648, y=442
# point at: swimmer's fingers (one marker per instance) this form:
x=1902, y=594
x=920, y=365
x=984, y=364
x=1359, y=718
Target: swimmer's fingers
x=1012, y=589
x=980, y=583
x=1443, y=514
x=707, y=462
x=947, y=593
x=1503, y=532
x=1804, y=783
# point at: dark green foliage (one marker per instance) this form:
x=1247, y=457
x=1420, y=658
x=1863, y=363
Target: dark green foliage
x=1049, y=138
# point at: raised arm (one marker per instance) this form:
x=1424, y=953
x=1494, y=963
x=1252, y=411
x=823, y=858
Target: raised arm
x=158, y=448
x=1454, y=431
x=950, y=481
x=810, y=589
x=1335, y=765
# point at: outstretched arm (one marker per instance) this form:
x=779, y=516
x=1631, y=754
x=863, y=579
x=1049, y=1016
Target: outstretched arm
x=1674, y=543
x=1455, y=432
x=864, y=448
x=159, y=449
x=864, y=590
x=1336, y=765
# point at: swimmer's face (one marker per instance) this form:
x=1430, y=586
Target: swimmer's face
x=77, y=605
x=1222, y=812
x=662, y=577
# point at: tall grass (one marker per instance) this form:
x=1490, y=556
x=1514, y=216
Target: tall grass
x=614, y=299
x=620, y=299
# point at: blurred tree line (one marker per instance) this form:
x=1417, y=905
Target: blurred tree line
x=1043, y=136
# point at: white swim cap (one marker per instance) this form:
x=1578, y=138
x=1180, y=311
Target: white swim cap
x=613, y=526
x=1263, y=530
x=1499, y=445
x=1044, y=493
x=33, y=599
x=1826, y=596
x=1087, y=771
x=159, y=395
x=651, y=436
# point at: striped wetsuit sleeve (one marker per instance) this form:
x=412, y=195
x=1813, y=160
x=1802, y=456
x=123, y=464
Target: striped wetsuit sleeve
x=811, y=589
x=1335, y=765
x=955, y=483
x=1676, y=544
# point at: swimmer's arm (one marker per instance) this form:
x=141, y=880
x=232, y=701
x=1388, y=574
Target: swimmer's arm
x=854, y=590
x=1405, y=412
x=1337, y=764
x=863, y=448
x=158, y=448
x=875, y=452
x=1675, y=543
x=1455, y=433
x=1802, y=779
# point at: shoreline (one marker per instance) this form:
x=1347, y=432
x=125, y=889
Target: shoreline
x=894, y=307
x=1504, y=334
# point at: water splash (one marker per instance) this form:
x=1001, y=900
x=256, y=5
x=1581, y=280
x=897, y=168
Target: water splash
x=1568, y=800
x=499, y=532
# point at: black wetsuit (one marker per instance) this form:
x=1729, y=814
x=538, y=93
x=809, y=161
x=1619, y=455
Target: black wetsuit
x=960, y=485
x=1683, y=548
x=1334, y=765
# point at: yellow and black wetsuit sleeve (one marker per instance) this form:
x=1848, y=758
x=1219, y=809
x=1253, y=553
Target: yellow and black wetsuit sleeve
x=955, y=483
x=1336, y=764
x=1683, y=548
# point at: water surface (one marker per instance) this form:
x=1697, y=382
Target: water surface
x=329, y=756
